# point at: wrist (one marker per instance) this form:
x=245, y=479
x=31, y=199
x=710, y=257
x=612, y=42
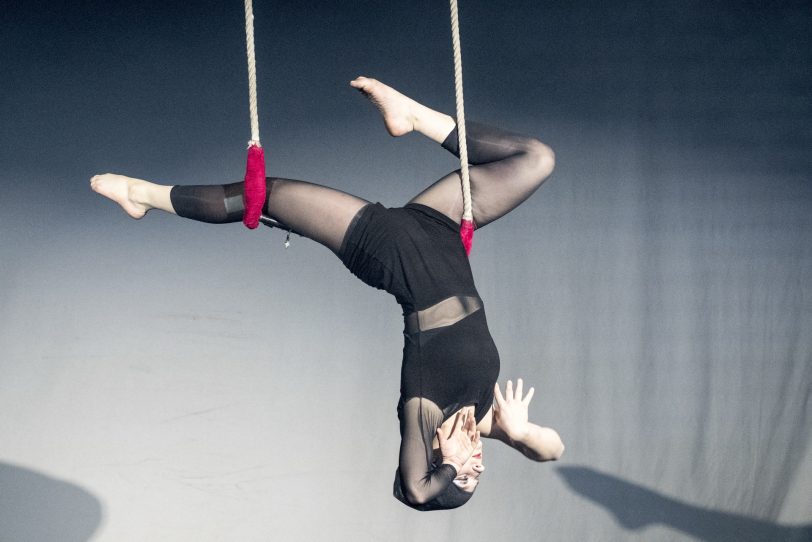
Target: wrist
x=520, y=436
x=457, y=466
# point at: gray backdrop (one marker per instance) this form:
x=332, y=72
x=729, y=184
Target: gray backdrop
x=169, y=380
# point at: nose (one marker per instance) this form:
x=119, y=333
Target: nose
x=479, y=468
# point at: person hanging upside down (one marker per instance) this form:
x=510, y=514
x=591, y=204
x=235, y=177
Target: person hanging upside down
x=449, y=391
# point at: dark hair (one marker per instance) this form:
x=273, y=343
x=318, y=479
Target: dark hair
x=453, y=497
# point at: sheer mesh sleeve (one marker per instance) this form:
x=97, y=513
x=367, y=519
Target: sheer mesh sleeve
x=421, y=481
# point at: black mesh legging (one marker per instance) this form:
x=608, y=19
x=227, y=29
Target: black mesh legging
x=506, y=169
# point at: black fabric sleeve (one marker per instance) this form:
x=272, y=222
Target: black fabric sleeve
x=421, y=479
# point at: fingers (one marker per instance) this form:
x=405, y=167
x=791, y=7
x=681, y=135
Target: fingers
x=441, y=438
x=511, y=394
x=500, y=401
x=459, y=422
x=462, y=428
x=471, y=424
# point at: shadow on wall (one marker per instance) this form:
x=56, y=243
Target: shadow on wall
x=635, y=507
x=37, y=507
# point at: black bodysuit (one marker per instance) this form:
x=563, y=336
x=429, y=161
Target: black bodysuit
x=414, y=253
x=449, y=358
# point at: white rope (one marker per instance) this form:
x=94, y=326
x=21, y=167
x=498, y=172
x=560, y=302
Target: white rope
x=467, y=213
x=252, y=71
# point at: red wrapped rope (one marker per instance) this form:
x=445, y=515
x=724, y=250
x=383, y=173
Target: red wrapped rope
x=467, y=228
x=254, y=193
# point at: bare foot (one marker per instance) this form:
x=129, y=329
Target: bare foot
x=399, y=111
x=123, y=190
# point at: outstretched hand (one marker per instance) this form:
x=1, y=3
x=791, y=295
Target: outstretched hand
x=458, y=443
x=510, y=411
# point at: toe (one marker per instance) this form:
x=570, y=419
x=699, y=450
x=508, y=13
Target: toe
x=363, y=83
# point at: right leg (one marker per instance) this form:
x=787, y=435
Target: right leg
x=314, y=211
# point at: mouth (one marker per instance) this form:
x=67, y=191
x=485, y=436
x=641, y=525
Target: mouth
x=478, y=456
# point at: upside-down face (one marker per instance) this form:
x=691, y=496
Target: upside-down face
x=468, y=477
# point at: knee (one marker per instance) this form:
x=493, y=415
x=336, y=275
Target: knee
x=541, y=159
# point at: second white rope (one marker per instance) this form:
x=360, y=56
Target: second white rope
x=252, y=71
x=467, y=212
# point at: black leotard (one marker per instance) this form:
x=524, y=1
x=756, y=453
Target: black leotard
x=449, y=358
x=415, y=253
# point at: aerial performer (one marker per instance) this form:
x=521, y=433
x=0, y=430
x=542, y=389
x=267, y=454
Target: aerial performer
x=450, y=397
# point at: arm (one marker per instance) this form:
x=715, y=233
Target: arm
x=421, y=480
x=508, y=421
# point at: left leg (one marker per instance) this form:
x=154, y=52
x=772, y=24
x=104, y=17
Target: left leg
x=507, y=168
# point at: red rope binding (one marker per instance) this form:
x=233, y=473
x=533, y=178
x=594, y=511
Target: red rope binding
x=254, y=193
x=467, y=228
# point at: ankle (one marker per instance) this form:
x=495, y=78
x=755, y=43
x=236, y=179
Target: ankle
x=431, y=123
x=138, y=193
x=420, y=115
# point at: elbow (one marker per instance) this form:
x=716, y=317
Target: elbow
x=557, y=452
x=412, y=493
x=554, y=450
x=413, y=496
x=542, y=160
